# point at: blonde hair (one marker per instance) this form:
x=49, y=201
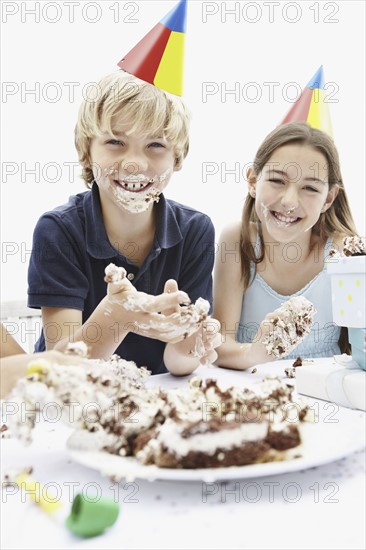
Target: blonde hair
x=149, y=109
x=338, y=218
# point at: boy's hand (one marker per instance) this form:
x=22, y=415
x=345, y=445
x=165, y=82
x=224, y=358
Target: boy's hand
x=202, y=343
x=205, y=340
x=121, y=291
x=159, y=317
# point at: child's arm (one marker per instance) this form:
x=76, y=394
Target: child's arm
x=8, y=345
x=228, y=297
x=183, y=357
x=195, y=278
x=14, y=367
x=111, y=321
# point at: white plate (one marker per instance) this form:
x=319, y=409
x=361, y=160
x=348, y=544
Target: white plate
x=323, y=442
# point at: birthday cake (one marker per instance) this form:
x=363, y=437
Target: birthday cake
x=111, y=409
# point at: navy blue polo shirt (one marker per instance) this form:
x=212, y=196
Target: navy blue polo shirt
x=71, y=250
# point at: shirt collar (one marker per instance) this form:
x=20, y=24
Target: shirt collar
x=97, y=242
x=168, y=232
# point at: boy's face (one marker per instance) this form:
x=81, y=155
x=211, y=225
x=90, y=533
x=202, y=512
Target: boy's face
x=131, y=170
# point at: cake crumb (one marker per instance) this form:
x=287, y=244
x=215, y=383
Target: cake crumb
x=290, y=372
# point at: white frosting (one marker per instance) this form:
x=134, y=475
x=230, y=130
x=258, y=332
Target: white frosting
x=114, y=274
x=137, y=202
x=83, y=440
x=351, y=245
x=77, y=348
x=290, y=372
x=108, y=405
x=183, y=322
x=171, y=438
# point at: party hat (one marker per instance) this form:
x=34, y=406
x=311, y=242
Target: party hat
x=159, y=57
x=311, y=106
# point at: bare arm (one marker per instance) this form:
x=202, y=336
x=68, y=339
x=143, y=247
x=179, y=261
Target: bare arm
x=8, y=345
x=110, y=322
x=228, y=297
x=14, y=367
x=123, y=310
x=183, y=357
x=102, y=332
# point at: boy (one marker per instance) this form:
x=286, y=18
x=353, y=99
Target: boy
x=130, y=140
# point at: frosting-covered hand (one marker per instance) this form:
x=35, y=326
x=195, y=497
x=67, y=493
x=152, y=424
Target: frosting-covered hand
x=169, y=317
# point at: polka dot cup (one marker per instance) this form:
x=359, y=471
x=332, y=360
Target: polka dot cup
x=348, y=279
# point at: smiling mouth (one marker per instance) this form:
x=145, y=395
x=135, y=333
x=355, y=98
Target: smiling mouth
x=282, y=218
x=134, y=185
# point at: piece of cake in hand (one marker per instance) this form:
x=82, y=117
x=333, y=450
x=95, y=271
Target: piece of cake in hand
x=289, y=326
x=352, y=246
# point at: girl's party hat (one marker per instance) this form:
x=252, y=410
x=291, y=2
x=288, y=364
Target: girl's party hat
x=312, y=106
x=159, y=57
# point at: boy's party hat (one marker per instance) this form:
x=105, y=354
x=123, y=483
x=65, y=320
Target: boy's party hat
x=311, y=106
x=159, y=57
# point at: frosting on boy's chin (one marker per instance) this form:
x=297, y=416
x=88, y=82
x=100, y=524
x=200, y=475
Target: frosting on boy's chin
x=136, y=192
x=136, y=204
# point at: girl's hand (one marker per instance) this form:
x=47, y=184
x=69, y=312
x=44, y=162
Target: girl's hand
x=205, y=340
x=258, y=352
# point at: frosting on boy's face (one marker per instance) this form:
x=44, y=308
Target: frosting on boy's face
x=131, y=170
x=135, y=192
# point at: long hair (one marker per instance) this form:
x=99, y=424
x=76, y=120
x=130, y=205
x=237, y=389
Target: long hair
x=338, y=218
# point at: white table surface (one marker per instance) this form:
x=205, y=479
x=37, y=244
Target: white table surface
x=318, y=508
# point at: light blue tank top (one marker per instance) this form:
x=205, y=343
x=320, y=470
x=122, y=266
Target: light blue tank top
x=260, y=299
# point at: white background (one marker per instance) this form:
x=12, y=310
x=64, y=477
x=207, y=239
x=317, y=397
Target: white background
x=262, y=42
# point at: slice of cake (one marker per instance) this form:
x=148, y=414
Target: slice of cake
x=292, y=323
x=106, y=402
x=206, y=444
x=209, y=427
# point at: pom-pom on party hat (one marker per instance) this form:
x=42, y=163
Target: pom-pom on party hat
x=159, y=57
x=311, y=107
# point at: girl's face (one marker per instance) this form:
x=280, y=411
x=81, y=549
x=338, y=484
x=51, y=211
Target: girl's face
x=292, y=191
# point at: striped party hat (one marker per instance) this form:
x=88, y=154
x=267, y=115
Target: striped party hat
x=159, y=57
x=311, y=106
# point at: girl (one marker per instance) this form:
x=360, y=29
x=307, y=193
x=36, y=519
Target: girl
x=295, y=211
